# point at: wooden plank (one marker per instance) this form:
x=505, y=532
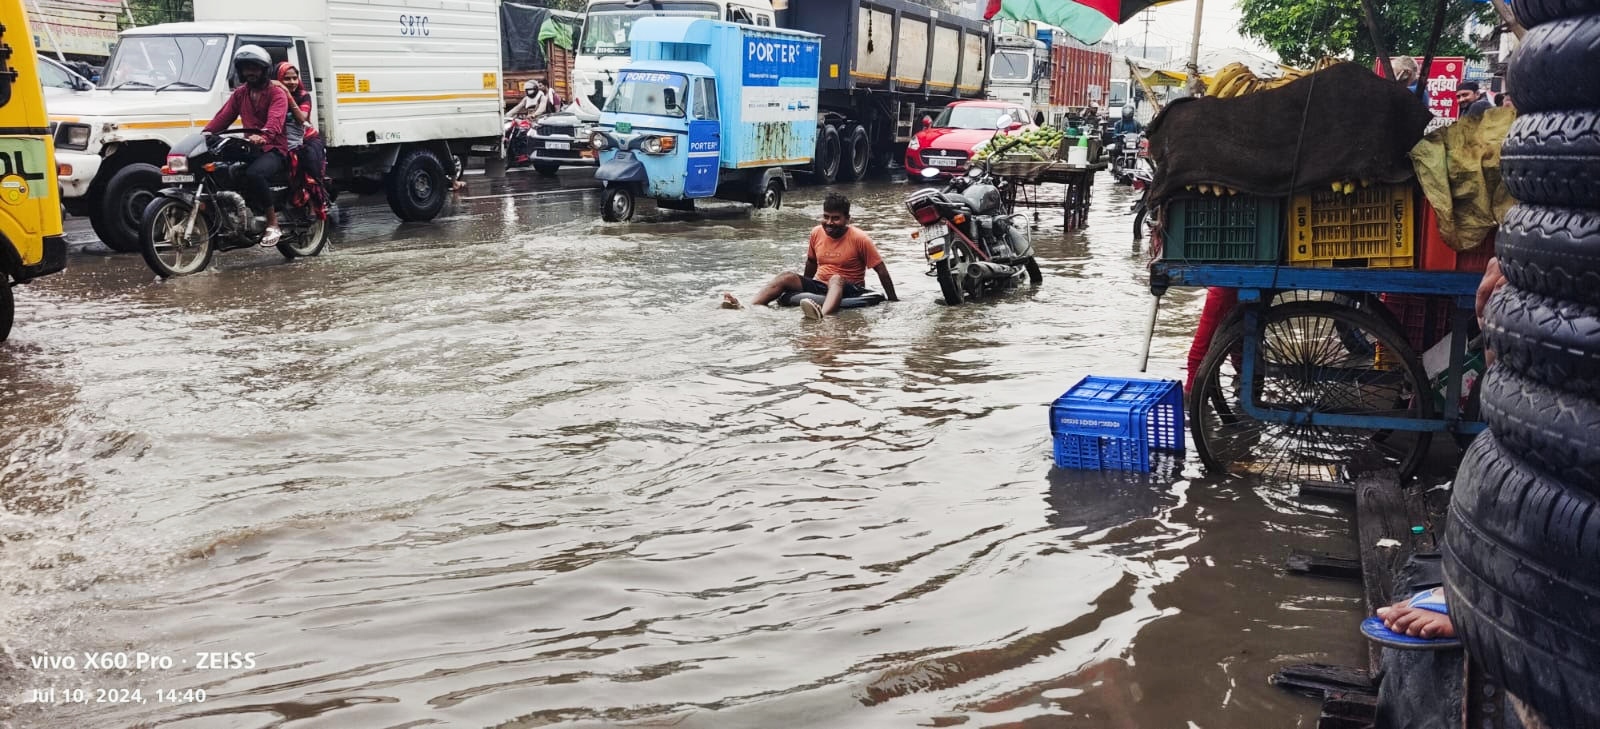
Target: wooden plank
x=1318, y=679
x=1381, y=518
x=1348, y=711
x=1328, y=489
x=1318, y=564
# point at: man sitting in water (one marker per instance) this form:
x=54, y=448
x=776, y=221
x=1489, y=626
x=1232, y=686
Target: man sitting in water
x=837, y=258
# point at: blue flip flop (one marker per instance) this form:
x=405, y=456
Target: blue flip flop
x=1433, y=599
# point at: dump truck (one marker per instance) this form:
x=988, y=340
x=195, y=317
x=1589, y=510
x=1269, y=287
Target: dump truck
x=400, y=89
x=884, y=63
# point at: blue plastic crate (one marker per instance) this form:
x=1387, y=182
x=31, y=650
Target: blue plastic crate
x=1112, y=424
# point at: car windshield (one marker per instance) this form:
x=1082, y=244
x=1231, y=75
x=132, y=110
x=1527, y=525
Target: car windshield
x=968, y=117
x=605, y=30
x=646, y=92
x=54, y=76
x=1009, y=66
x=155, y=61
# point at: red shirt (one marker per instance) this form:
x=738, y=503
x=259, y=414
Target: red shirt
x=266, y=111
x=849, y=256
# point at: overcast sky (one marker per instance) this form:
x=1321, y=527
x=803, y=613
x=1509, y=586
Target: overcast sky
x=1172, y=24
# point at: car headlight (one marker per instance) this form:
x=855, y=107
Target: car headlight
x=73, y=136
x=659, y=145
x=914, y=145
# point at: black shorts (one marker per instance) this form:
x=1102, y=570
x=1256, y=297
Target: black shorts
x=813, y=286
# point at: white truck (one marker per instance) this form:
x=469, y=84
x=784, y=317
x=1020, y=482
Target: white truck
x=1019, y=72
x=400, y=89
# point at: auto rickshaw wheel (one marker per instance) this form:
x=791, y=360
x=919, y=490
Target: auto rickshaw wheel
x=8, y=307
x=617, y=206
x=771, y=197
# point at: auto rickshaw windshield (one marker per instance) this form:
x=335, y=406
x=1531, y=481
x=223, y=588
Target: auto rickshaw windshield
x=649, y=92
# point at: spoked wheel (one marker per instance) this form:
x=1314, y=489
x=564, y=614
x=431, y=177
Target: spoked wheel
x=163, y=243
x=617, y=205
x=1304, y=365
x=307, y=243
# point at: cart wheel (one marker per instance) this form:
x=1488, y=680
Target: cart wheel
x=1304, y=365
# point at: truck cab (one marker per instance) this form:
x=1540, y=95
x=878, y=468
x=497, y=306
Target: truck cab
x=162, y=83
x=604, y=47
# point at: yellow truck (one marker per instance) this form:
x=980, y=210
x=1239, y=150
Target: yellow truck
x=30, y=203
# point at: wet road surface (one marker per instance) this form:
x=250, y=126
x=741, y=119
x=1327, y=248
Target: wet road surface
x=516, y=468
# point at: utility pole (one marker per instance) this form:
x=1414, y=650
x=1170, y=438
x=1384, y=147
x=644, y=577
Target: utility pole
x=1147, y=20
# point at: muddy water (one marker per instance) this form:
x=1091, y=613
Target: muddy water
x=516, y=468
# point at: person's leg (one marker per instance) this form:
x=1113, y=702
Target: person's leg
x=1219, y=301
x=780, y=284
x=1402, y=617
x=830, y=305
x=258, y=184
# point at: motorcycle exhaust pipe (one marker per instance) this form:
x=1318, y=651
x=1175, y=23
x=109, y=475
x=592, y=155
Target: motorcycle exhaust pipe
x=987, y=269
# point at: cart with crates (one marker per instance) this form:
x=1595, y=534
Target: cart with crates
x=1350, y=346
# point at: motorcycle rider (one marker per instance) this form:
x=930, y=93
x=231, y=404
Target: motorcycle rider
x=1127, y=124
x=837, y=258
x=536, y=102
x=258, y=104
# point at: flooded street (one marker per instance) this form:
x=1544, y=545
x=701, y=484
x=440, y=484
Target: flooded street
x=516, y=468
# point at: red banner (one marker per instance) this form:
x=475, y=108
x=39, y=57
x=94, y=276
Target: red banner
x=1444, y=75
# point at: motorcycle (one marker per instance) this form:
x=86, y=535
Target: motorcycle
x=519, y=142
x=1143, y=176
x=973, y=244
x=201, y=210
x=1125, y=157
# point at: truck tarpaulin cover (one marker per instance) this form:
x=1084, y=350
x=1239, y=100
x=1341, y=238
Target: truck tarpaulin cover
x=521, y=25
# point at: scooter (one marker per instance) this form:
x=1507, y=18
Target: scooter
x=974, y=246
x=1143, y=176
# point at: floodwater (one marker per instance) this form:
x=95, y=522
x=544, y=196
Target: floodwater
x=516, y=468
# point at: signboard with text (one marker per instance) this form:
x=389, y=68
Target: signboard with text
x=1444, y=75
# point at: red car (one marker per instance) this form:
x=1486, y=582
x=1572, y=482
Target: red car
x=945, y=143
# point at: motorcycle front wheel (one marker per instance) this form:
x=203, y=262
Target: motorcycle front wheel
x=163, y=244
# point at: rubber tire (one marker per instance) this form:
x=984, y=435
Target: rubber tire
x=119, y=223
x=948, y=285
x=1035, y=276
x=855, y=155
x=1553, y=342
x=149, y=251
x=825, y=163
x=546, y=169
x=8, y=308
x=1553, y=157
x=1552, y=251
x=1138, y=220
x=774, y=193
x=617, y=214
x=1553, y=431
x=289, y=253
x=1558, y=66
x=396, y=186
x=1538, y=12
x=1522, y=578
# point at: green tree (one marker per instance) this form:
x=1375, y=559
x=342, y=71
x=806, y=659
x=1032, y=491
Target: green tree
x=1302, y=31
x=151, y=12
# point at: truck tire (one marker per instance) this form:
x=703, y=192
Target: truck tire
x=1552, y=251
x=122, y=205
x=417, y=186
x=1558, y=66
x=8, y=307
x=1522, y=576
x=825, y=164
x=1553, y=158
x=1538, y=12
x=1554, y=342
x=1552, y=431
x=856, y=155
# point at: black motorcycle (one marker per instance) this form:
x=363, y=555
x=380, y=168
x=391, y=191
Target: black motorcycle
x=974, y=245
x=1125, y=156
x=201, y=210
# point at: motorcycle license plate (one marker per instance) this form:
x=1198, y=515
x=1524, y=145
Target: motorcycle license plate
x=942, y=162
x=558, y=145
x=173, y=179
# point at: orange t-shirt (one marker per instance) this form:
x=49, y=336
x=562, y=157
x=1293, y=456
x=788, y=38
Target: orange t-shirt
x=849, y=256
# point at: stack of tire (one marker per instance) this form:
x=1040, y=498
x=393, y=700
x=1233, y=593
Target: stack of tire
x=1522, y=546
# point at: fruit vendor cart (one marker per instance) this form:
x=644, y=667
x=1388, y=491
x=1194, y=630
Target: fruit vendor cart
x=1315, y=371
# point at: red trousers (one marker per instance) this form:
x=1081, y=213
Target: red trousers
x=1219, y=302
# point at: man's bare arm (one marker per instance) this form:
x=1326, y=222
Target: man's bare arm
x=888, y=284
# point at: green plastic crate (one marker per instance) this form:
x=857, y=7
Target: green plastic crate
x=1236, y=228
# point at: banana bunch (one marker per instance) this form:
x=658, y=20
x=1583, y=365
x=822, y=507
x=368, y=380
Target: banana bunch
x=1236, y=79
x=1217, y=190
x=1346, y=187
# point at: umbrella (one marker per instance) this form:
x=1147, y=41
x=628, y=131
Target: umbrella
x=1083, y=23
x=1118, y=11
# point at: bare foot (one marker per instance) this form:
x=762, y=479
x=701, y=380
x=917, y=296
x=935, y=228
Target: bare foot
x=1417, y=622
x=728, y=302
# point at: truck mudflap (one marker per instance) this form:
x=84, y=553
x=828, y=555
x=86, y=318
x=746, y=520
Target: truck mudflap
x=621, y=169
x=54, y=260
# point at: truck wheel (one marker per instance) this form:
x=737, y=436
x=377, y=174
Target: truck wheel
x=417, y=186
x=8, y=308
x=857, y=153
x=546, y=169
x=122, y=205
x=617, y=205
x=825, y=164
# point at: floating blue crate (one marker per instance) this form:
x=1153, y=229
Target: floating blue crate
x=1112, y=424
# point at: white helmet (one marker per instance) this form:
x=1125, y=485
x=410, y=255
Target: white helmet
x=252, y=54
x=530, y=86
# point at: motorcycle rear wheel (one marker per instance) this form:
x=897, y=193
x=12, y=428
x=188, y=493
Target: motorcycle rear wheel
x=948, y=283
x=306, y=244
x=161, y=239
x=1035, y=276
